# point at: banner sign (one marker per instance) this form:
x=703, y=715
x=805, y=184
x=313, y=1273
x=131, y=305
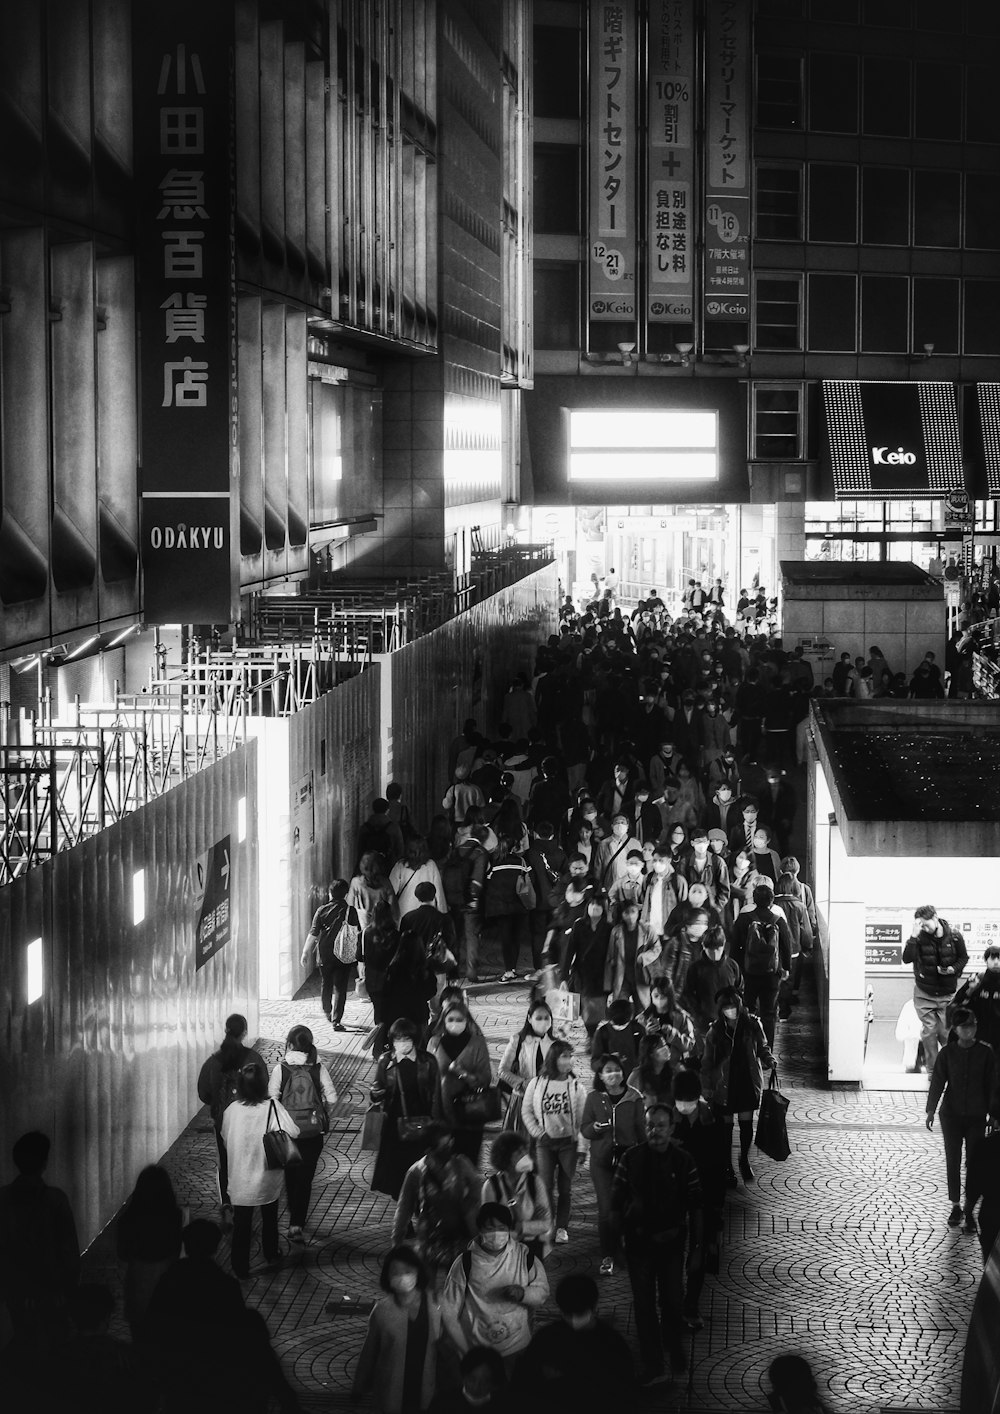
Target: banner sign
x=727, y=161
x=212, y=895
x=612, y=232
x=988, y=398
x=671, y=237
x=186, y=259
x=892, y=440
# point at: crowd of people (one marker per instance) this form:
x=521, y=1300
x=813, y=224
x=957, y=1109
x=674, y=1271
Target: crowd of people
x=624, y=843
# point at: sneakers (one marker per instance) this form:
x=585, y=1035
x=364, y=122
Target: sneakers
x=295, y=1234
x=749, y=1175
x=532, y=976
x=562, y=1235
x=509, y=976
x=339, y=1026
x=607, y=1267
x=955, y=1216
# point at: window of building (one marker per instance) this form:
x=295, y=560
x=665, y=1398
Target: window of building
x=935, y=314
x=886, y=98
x=937, y=209
x=777, y=422
x=885, y=206
x=982, y=316
x=885, y=324
x=557, y=305
x=982, y=211
x=833, y=203
x=888, y=14
x=556, y=71
x=777, y=312
x=840, y=12
x=833, y=93
x=982, y=114
x=556, y=191
x=779, y=91
x=778, y=204
x=832, y=313
x=938, y=105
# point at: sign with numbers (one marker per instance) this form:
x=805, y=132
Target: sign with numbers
x=727, y=159
x=612, y=223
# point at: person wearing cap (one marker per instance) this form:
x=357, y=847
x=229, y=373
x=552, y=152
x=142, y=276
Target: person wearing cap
x=718, y=843
x=492, y=1288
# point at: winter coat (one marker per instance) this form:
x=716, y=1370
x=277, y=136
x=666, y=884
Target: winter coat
x=441, y=1203
x=626, y=1117
x=732, y=1076
x=676, y=1026
x=928, y=953
x=645, y=942
x=705, y=979
x=470, y=1070
x=382, y=1362
x=967, y=1078
x=653, y=1195
x=671, y=891
x=500, y=897
x=528, y=1201
x=472, y=1307
x=587, y=964
x=520, y=1061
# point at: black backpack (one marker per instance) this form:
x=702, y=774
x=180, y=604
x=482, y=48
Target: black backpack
x=228, y=1091
x=761, y=954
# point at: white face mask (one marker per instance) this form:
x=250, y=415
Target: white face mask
x=685, y=1107
x=403, y=1048
x=612, y=1079
x=493, y=1241
x=525, y=1164
x=540, y=1024
x=454, y=1026
x=403, y=1282
x=730, y=1013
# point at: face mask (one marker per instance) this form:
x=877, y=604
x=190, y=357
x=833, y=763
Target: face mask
x=993, y=963
x=595, y=912
x=660, y=866
x=525, y=1164
x=730, y=1013
x=493, y=1241
x=403, y=1048
x=454, y=1028
x=404, y=1281
x=540, y=1024
x=685, y=1107
x=612, y=1079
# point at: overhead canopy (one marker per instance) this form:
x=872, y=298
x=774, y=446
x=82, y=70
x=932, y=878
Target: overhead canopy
x=891, y=441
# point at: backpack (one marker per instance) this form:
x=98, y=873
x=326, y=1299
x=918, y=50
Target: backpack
x=456, y=871
x=761, y=955
x=302, y=1097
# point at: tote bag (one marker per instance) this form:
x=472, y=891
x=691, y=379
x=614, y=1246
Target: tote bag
x=280, y=1149
x=772, y=1132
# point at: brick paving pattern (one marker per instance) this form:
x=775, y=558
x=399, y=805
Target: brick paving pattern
x=842, y=1253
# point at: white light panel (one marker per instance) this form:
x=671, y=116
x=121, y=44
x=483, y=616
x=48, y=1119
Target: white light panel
x=35, y=980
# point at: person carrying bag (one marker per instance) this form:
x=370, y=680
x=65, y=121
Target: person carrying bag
x=772, y=1131
x=304, y=1087
x=257, y=1132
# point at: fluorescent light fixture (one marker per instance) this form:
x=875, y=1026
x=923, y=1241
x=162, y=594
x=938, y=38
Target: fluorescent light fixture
x=643, y=466
x=628, y=427
x=626, y=444
x=241, y=819
x=132, y=628
x=82, y=647
x=33, y=988
x=138, y=896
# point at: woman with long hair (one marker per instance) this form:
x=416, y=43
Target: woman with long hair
x=369, y=887
x=251, y=1183
x=456, y=1043
x=304, y=1087
x=415, y=868
x=653, y=1077
x=553, y=1114
x=148, y=1240
x=218, y=1086
x=407, y=1084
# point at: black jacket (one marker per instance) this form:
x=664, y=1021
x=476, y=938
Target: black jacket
x=967, y=1078
x=929, y=953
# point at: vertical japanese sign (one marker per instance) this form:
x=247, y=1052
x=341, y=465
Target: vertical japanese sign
x=612, y=156
x=212, y=900
x=185, y=147
x=670, y=163
x=727, y=161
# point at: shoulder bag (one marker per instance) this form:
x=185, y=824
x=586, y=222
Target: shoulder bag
x=412, y=1129
x=280, y=1149
x=772, y=1131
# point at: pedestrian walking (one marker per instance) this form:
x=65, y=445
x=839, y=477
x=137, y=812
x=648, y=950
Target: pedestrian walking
x=303, y=1085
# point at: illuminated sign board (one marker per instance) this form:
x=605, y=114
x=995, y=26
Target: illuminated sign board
x=636, y=445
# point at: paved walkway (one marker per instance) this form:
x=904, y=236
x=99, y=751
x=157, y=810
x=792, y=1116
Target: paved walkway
x=841, y=1253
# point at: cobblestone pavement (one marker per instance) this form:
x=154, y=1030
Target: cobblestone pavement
x=842, y=1253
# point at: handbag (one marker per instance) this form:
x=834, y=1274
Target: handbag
x=772, y=1132
x=347, y=943
x=412, y=1129
x=525, y=889
x=564, y=1006
x=280, y=1149
x=371, y=1130
x=512, y=1119
x=480, y=1106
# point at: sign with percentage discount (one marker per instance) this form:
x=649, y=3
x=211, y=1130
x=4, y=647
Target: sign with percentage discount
x=671, y=217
